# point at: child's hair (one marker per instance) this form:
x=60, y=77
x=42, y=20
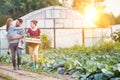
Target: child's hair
x=34, y=22
x=8, y=23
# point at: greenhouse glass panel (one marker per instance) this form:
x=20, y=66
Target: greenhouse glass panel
x=89, y=32
x=4, y=43
x=49, y=23
x=41, y=24
x=68, y=23
x=89, y=42
x=63, y=14
x=48, y=14
x=55, y=13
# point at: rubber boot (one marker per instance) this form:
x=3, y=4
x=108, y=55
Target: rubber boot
x=36, y=65
x=33, y=66
x=19, y=63
x=14, y=64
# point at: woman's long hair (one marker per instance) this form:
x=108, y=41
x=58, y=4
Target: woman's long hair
x=8, y=23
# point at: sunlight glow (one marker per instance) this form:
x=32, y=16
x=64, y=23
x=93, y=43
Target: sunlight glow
x=91, y=13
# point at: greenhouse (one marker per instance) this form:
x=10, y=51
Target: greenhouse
x=65, y=28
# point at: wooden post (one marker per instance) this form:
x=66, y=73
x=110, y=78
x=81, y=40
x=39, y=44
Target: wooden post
x=83, y=37
x=54, y=35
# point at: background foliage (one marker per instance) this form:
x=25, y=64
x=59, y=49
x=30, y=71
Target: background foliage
x=116, y=35
x=18, y=8
x=45, y=42
x=104, y=19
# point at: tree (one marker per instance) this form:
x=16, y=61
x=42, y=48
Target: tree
x=103, y=19
x=46, y=3
x=66, y=3
x=118, y=20
x=18, y=8
x=80, y=5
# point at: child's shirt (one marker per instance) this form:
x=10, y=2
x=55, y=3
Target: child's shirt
x=14, y=31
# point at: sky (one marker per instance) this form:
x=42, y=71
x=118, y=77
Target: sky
x=111, y=6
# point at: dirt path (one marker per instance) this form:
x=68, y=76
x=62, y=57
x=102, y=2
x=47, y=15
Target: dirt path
x=26, y=75
x=1, y=78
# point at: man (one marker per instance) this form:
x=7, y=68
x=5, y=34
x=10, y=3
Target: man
x=14, y=35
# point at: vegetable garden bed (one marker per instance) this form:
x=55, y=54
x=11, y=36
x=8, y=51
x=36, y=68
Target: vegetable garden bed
x=99, y=62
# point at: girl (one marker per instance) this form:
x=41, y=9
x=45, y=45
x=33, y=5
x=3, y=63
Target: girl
x=9, y=23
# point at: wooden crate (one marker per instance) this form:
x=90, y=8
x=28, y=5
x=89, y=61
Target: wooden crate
x=33, y=40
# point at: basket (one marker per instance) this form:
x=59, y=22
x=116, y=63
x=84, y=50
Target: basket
x=33, y=40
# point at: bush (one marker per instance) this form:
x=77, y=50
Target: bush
x=116, y=35
x=46, y=43
x=106, y=46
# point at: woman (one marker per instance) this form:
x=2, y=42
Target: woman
x=33, y=32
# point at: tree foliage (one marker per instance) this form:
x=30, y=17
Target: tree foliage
x=80, y=5
x=118, y=19
x=18, y=8
x=103, y=19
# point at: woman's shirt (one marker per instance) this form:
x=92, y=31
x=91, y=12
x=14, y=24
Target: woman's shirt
x=35, y=33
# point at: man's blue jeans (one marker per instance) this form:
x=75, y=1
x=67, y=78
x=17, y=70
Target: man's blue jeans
x=15, y=50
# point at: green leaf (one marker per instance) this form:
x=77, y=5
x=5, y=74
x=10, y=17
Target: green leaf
x=98, y=76
x=117, y=67
x=76, y=74
x=107, y=73
x=61, y=70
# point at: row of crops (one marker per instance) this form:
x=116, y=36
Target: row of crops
x=100, y=62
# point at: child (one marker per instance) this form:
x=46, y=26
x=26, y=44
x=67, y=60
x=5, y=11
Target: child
x=9, y=23
x=17, y=31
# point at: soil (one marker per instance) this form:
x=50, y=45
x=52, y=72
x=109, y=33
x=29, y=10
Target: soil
x=28, y=75
x=1, y=78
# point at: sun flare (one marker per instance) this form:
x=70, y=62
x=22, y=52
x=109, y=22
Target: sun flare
x=91, y=13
